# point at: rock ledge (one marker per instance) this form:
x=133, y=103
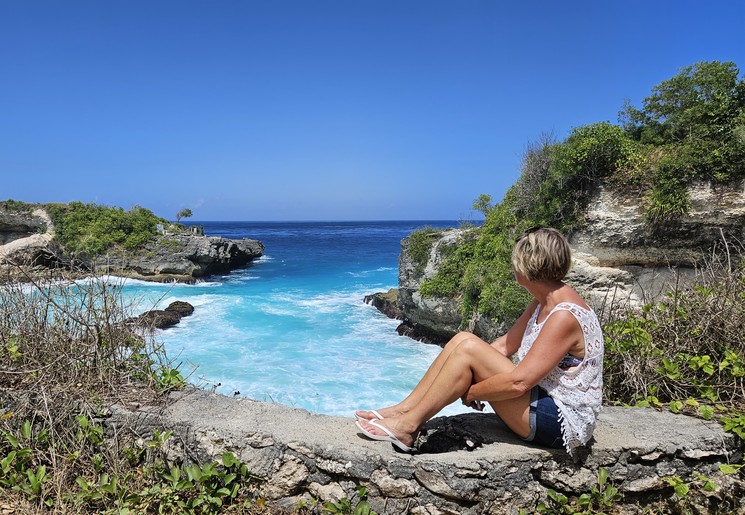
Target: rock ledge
x=301, y=453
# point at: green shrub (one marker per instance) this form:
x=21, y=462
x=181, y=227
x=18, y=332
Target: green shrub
x=419, y=247
x=478, y=270
x=94, y=229
x=697, y=121
x=687, y=350
x=16, y=206
x=557, y=194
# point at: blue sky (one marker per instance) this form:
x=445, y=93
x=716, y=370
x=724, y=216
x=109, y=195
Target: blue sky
x=321, y=109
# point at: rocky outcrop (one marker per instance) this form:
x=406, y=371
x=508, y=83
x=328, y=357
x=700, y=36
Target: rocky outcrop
x=163, y=318
x=466, y=464
x=621, y=261
x=624, y=261
x=27, y=239
x=182, y=257
x=434, y=320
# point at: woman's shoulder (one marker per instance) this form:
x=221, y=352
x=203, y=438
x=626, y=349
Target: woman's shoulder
x=569, y=305
x=570, y=298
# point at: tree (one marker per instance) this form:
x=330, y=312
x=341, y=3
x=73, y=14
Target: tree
x=184, y=213
x=701, y=101
x=699, y=115
x=482, y=204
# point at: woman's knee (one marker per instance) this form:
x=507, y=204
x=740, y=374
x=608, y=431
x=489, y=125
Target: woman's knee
x=469, y=343
x=456, y=340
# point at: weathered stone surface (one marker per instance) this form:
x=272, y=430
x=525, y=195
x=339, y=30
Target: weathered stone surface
x=326, y=456
x=26, y=239
x=184, y=309
x=386, y=303
x=289, y=478
x=158, y=318
x=389, y=486
x=623, y=261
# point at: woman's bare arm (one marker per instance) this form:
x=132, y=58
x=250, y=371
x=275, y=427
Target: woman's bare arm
x=509, y=342
x=559, y=334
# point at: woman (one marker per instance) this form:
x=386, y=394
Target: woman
x=552, y=396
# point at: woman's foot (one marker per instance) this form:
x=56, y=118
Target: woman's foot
x=376, y=414
x=387, y=431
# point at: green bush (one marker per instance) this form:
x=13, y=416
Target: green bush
x=15, y=206
x=686, y=351
x=696, y=121
x=572, y=170
x=420, y=245
x=478, y=270
x=94, y=229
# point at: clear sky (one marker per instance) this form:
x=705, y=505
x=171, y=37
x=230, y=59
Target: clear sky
x=321, y=109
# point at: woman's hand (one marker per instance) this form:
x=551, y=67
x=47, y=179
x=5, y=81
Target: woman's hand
x=473, y=404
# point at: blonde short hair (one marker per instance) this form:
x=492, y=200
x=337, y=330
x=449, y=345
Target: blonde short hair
x=542, y=254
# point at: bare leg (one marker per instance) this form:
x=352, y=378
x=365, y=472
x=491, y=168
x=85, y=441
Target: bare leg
x=425, y=382
x=471, y=361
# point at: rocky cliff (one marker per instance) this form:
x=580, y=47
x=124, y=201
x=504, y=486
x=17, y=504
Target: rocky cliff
x=26, y=236
x=181, y=257
x=620, y=260
x=27, y=240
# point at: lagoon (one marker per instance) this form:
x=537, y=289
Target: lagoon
x=292, y=328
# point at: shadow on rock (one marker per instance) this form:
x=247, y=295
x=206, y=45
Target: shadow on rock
x=467, y=432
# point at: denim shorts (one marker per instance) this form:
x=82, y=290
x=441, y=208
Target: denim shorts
x=545, y=427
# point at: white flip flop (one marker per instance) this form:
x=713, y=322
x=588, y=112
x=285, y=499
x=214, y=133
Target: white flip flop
x=390, y=437
x=378, y=416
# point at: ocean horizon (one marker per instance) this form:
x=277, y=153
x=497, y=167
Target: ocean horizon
x=292, y=327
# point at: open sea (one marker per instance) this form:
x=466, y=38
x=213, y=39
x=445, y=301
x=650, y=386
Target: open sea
x=292, y=328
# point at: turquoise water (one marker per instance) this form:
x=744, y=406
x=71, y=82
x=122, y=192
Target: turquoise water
x=292, y=328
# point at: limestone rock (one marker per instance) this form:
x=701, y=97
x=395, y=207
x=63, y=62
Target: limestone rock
x=184, y=309
x=386, y=303
x=26, y=238
x=499, y=476
x=183, y=257
x=389, y=486
x=288, y=479
x=158, y=318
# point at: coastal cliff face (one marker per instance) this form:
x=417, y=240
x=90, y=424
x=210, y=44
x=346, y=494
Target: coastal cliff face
x=182, y=257
x=621, y=261
x=27, y=239
x=26, y=236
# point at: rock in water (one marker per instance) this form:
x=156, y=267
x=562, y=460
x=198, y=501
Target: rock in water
x=184, y=309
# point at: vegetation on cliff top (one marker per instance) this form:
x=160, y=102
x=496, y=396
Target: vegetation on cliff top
x=94, y=229
x=692, y=127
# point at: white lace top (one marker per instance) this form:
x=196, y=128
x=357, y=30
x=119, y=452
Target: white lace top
x=577, y=391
